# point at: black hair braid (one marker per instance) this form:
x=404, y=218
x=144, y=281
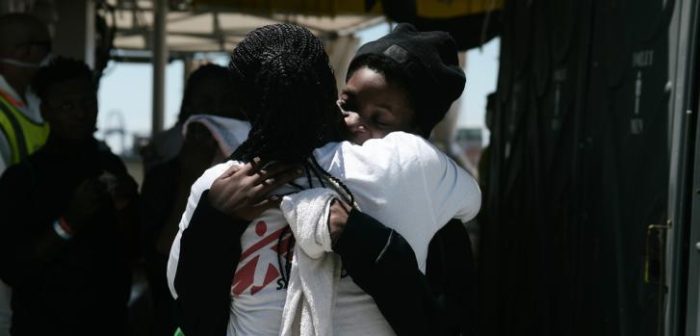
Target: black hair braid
x=284, y=84
x=287, y=88
x=349, y=197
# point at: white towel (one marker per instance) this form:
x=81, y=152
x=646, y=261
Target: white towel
x=308, y=310
x=229, y=133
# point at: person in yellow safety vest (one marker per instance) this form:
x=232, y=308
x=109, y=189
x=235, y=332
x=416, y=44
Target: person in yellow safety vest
x=23, y=134
x=24, y=45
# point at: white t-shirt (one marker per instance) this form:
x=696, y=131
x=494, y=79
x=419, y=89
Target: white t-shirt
x=401, y=180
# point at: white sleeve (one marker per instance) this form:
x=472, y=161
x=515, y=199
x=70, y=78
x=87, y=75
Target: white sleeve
x=454, y=192
x=451, y=191
x=408, y=168
x=202, y=184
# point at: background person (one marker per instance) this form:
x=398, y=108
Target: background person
x=68, y=243
x=24, y=43
x=166, y=185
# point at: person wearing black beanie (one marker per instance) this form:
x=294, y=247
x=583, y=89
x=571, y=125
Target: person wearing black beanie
x=407, y=81
x=424, y=65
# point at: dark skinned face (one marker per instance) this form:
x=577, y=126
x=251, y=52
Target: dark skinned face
x=70, y=108
x=374, y=107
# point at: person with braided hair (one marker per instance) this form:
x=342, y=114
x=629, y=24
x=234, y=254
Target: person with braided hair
x=285, y=86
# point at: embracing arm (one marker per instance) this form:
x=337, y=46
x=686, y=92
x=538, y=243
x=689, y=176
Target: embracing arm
x=451, y=273
x=442, y=302
x=383, y=264
x=209, y=251
x=381, y=261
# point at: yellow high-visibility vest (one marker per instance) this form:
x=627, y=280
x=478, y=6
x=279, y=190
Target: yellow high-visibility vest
x=23, y=135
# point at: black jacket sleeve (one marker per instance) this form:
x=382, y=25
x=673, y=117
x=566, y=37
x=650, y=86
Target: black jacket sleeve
x=383, y=264
x=210, y=249
x=19, y=237
x=451, y=273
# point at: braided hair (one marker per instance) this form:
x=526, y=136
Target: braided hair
x=284, y=84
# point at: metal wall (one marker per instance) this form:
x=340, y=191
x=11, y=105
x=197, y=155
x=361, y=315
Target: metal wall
x=579, y=170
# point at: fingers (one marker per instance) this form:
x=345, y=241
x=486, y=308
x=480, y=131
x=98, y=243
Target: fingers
x=262, y=189
x=344, y=205
x=247, y=169
x=279, y=168
x=230, y=172
x=245, y=186
x=275, y=175
x=264, y=171
x=281, y=176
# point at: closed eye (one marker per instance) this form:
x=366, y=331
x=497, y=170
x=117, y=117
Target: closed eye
x=377, y=121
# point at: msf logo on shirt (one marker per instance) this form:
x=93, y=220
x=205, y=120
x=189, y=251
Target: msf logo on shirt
x=245, y=277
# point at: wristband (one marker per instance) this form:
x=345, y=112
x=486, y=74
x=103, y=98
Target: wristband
x=60, y=226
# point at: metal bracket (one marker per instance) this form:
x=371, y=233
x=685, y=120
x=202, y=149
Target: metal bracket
x=654, y=260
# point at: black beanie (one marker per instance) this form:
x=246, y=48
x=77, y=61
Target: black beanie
x=427, y=59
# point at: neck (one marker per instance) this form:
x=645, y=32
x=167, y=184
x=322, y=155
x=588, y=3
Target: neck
x=63, y=146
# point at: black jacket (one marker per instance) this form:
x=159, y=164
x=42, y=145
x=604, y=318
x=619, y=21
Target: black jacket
x=84, y=288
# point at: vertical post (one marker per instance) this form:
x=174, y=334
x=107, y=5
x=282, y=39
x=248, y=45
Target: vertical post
x=160, y=58
x=75, y=30
x=682, y=298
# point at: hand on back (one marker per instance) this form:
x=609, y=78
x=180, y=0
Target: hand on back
x=242, y=192
x=339, y=212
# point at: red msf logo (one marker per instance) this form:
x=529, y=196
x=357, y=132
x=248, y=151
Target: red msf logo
x=245, y=275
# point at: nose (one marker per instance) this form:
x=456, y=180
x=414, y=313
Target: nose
x=354, y=122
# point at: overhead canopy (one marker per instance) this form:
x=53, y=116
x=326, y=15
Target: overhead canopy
x=200, y=28
x=193, y=26
x=217, y=25
x=308, y=7
x=471, y=22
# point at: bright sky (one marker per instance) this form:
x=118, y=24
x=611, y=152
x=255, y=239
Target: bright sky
x=126, y=90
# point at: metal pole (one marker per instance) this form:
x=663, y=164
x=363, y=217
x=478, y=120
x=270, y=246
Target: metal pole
x=160, y=58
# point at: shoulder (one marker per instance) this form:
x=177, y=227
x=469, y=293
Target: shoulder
x=402, y=141
x=394, y=144
x=405, y=150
